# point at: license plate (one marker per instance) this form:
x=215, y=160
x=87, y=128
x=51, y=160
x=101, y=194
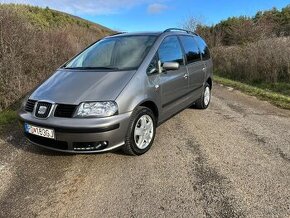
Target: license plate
x=39, y=131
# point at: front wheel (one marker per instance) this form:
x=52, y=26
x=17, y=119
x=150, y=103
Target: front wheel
x=141, y=132
x=204, y=100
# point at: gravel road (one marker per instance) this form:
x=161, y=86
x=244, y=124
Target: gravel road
x=232, y=160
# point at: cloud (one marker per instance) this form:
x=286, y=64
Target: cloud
x=82, y=7
x=156, y=8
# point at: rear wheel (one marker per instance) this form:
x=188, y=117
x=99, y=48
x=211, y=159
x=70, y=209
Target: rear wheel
x=141, y=132
x=204, y=101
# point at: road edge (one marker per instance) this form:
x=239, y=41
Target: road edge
x=279, y=100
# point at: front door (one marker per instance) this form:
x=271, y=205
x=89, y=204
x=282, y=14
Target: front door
x=174, y=83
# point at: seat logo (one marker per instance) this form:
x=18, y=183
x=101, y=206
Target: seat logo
x=42, y=110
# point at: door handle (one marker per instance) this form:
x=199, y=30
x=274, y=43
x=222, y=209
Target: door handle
x=204, y=69
x=185, y=76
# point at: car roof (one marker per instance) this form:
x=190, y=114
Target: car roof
x=170, y=31
x=136, y=34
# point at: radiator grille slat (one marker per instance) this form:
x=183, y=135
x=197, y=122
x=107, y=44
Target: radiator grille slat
x=65, y=110
x=29, y=106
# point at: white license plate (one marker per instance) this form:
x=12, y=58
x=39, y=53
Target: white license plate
x=39, y=131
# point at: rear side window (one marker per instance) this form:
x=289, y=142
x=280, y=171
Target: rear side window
x=170, y=50
x=203, y=48
x=191, y=49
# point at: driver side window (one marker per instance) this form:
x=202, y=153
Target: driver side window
x=170, y=50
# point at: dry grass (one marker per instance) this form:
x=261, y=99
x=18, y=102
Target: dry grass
x=263, y=61
x=30, y=53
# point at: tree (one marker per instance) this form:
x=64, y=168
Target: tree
x=191, y=24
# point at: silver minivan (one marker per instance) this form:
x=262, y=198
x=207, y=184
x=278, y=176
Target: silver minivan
x=117, y=91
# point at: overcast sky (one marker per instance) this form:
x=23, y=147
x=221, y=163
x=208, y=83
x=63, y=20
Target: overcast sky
x=140, y=15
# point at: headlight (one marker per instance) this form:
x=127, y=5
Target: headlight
x=97, y=109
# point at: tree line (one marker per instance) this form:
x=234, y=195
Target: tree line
x=250, y=49
x=242, y=30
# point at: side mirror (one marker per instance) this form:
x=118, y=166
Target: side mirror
x=170, y=66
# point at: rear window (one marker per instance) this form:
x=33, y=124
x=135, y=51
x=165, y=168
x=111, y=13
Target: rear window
x=203, y=48
x=191, y=49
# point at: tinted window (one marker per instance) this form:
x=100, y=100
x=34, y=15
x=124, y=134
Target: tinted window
x=124, y=52
x=203, y=48
x=170, y=50
x=191, y=49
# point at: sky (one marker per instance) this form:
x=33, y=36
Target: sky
x=155, y=15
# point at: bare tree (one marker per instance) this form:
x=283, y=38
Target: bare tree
x=191, y=24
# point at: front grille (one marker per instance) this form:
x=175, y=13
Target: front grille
x=29, y=106
x=47, y=142
x=42, y=109
x=65, y=110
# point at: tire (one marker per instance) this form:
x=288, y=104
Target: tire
x=133, y=142
x=204, y=101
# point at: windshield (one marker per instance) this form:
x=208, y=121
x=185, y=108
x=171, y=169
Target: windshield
x=120, y=53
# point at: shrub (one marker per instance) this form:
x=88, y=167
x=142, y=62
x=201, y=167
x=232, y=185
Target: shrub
x=262, y=61
x=29, y=53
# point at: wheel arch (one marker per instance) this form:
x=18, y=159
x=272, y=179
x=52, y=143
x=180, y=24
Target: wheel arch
x=152, y=106
x=209, y=81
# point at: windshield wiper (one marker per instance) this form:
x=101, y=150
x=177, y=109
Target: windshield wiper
x=92, y=68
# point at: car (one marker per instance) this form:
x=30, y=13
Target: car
x=116, y=92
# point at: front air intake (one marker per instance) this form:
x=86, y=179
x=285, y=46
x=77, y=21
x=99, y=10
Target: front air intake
x=65, y=110
x=90, y=146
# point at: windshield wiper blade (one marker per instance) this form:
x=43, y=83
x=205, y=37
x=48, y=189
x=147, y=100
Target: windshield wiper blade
x=92, y=68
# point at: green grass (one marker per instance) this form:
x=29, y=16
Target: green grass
x=282, y=88
x=7, y=117
x=262, y=92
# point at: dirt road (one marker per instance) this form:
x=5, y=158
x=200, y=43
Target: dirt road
x=232, y=160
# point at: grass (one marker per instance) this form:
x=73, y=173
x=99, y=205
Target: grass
x=45, y=17
x=7, y=117
x=282, y=88
x=262, y=92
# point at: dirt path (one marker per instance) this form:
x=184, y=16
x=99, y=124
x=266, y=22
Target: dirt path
x=232, y=160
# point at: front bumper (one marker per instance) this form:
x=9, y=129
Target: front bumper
x=75, y=135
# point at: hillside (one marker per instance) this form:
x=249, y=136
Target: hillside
x=47, y=18
x=34, y=42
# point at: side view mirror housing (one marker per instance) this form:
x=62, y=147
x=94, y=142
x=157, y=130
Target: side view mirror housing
x=170, y=66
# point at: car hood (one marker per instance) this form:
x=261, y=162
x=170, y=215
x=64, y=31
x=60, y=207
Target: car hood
x=76, y=86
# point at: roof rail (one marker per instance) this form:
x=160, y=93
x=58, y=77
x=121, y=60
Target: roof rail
x=117, y=33
x=178, y=29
